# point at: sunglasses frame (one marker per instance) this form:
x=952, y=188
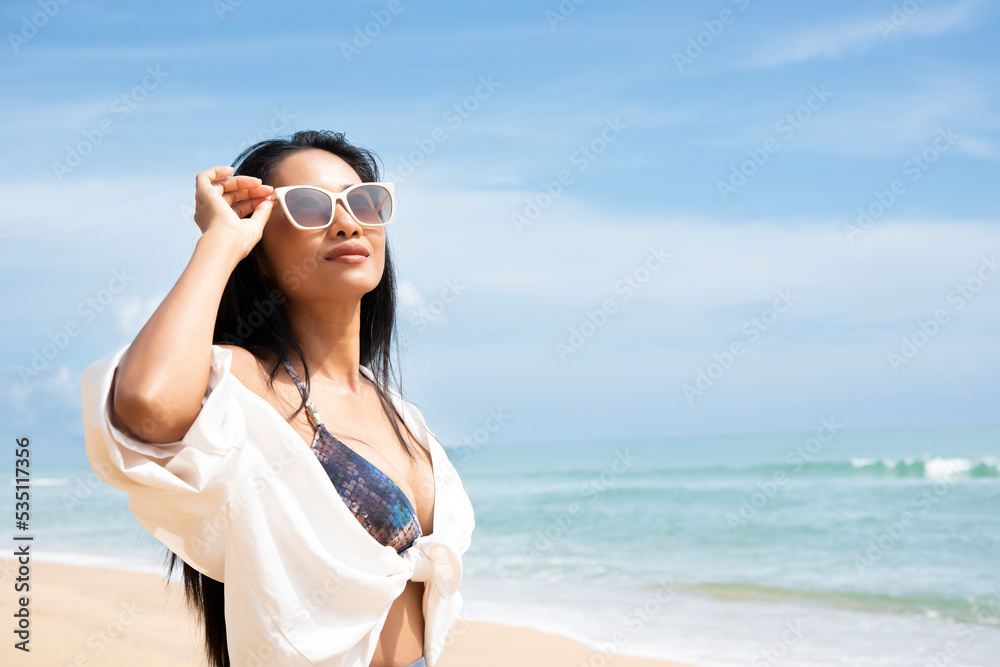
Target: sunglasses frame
x=335, y=197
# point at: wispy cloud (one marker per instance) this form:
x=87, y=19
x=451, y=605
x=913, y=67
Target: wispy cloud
x=980, y=147
x=835, y=41
x=132, y=312
x=28, y=401
x=877, y=123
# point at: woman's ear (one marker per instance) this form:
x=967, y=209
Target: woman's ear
x=262, y=262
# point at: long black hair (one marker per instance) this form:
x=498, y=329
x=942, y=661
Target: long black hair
x=250, y=316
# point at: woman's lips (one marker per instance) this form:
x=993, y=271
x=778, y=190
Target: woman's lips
x=348, y=259
x=354, y=251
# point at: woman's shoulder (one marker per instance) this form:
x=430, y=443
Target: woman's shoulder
x=251, y=371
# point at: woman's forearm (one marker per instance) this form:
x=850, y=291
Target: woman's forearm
x=162, y=378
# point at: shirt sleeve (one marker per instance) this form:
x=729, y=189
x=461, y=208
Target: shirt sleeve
x=178, y=491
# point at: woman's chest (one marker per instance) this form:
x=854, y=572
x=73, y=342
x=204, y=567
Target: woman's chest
x=366, y=429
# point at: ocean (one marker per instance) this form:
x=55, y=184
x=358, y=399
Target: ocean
x=835, y=546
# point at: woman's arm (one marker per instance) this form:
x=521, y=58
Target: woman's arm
x=162, y=378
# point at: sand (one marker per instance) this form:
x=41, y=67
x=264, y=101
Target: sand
x=91, y=616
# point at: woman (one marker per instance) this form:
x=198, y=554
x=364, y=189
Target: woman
x=252, y=423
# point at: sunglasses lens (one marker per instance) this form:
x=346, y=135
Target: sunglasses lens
x=370, y=204
x=309, y=208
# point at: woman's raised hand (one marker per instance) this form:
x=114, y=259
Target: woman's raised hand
x=222, y=201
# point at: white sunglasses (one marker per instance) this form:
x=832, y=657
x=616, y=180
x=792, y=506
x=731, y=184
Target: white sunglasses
x=312, y=207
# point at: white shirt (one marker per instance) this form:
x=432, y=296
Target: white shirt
x=243, y=500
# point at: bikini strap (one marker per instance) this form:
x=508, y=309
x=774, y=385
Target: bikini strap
x=311, y=412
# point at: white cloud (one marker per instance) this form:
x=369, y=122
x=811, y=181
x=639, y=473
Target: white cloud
x=979, y=147
x=854, y=304
x=29, y=398
x=573, y=254
x=836, y=41
x=417, y=312
x=132, y=312
x=871, y=123
x=409, y=296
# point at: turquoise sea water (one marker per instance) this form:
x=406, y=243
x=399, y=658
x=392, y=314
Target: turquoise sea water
x=829, y=547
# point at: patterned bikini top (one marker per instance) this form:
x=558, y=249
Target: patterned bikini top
x=376, y=501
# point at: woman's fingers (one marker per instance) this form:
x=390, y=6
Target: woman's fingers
x=209, y=176
x=225, y=200
x=222, y=181
x=258, y=192
x=214, y=173
x=235, y=184
x=242, y=209
x=262, y=210
x=245, y=208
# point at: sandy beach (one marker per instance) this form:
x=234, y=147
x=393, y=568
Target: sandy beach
x=85, y=616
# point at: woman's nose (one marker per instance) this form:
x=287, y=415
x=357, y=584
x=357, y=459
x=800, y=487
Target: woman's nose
x=343, y=220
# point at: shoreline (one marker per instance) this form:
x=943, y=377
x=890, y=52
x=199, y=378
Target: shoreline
x=89, y=614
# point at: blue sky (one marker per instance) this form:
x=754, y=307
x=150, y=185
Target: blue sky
x=616, y=219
